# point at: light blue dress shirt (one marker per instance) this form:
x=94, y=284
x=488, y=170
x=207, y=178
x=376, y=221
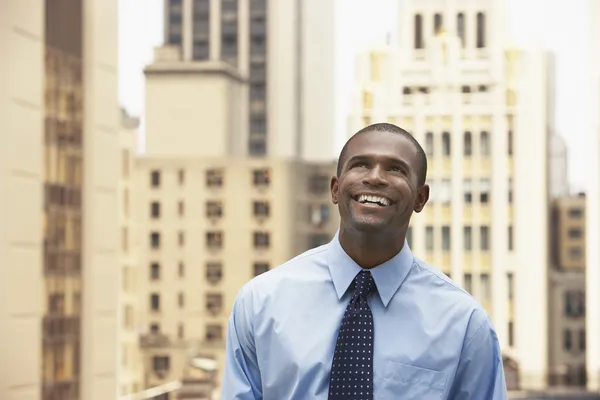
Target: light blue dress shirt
x=432, y=339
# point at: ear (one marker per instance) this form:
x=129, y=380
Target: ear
x=422, y=197
x=334, y=186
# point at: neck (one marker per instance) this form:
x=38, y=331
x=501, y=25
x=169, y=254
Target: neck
x=370, y=250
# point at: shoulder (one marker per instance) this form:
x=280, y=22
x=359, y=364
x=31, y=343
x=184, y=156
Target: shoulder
x=451, y=299
x=306, y=267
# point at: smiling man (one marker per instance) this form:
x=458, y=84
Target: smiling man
x=362, y=317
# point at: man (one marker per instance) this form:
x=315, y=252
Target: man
x=361, y=317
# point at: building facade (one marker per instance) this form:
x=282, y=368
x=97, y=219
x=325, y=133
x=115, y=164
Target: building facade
x=276, y=57
x=593, y=206
x=566, y=307
x=207, y=226
x=58, y=248
x=461, y=91
x=130, y=368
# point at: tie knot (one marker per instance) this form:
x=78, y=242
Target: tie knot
x=364, y=284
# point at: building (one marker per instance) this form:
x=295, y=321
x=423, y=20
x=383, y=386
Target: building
x=480, y=110
x=59, y=179
x=566, y=308
x=593, y=207
x=559, y=169
x=208, y=226
x=130, y=371
x=273, y=60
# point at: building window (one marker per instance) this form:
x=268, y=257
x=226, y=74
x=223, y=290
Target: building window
x=181, y=238
x=484, y=233
x=484, y=190
x=155, y=179
x=485, y=286
x=438, y=22
x=155, y=240
x=418, y=31
x=181, y=208
x=429, y=144
x=510, y=279
x=468, y=238
x=155, y=271
x=180, y=331
x=575, y=233
x=460, y=27
x=409, y=236
x=214, y=303
x=201, y=30
x=510, y=238
x=445, y=238
x=260, y=267
x=429, y=242
x=575, y=253
x=468, y=282
x=318, y=184
x=155, y=210
x=575, y=213
x=318, y=239
x=481, y=30
x=160, y=364
x=214, y=209
x=213, y=333
x=155, y=302
x=445, y=190
x=261, y=177
x=484, y=143
x=467, y=191
x=567, y=340
x=468, y=144
x=214, y=240
x=261, y=208
x=261, y=240
x=510, y=142
x=181, y=299
x=511, y=333
x=446, y=146
x=214, y=272
x=582, y=339
x=181, y=176
x=214, y=178
x=510, y=191
x=154, y=329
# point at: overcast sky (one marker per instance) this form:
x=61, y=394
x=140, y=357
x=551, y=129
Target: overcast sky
x=560, y=27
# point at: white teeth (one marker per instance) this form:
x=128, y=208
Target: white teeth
x=363, y=198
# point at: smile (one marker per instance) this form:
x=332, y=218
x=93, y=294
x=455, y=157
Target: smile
x=373, y=200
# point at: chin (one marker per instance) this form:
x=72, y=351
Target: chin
x=368, y=225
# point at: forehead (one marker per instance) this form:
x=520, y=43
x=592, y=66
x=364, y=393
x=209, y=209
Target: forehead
x=384, y=145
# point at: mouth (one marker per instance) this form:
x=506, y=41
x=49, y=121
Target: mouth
x=372, y=200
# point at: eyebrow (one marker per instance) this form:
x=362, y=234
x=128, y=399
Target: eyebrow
x=367, y=157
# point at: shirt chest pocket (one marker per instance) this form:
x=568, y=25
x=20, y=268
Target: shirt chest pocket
x=407, y=382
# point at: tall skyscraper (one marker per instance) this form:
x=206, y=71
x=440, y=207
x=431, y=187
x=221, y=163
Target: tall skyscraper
x=58, y=178
x=480, y=110
x=275, y=60
x=593, y=207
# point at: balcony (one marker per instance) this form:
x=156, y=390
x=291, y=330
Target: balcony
x=155, y=340
x=59, y=329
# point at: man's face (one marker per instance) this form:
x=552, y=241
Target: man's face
x=377, y=190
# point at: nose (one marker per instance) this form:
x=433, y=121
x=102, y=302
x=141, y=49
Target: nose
x=375, y=177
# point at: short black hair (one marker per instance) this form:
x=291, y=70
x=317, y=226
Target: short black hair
x=391, y=128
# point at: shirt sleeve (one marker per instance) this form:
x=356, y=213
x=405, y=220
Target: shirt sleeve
x=241, y=375
x=480, y=372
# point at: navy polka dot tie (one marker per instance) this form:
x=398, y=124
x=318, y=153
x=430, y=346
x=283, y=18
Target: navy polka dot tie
x=352, y=370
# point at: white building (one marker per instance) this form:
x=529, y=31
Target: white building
x=480, y=110
x=593, y=209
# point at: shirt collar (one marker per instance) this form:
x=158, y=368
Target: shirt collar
x=388, y=276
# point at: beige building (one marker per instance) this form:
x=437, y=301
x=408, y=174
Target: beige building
x=480, y=110
x=275, y=60
x=593, y=207
x=207, y=226
x=566, y=307
x=59, y=249
x=130, y=368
